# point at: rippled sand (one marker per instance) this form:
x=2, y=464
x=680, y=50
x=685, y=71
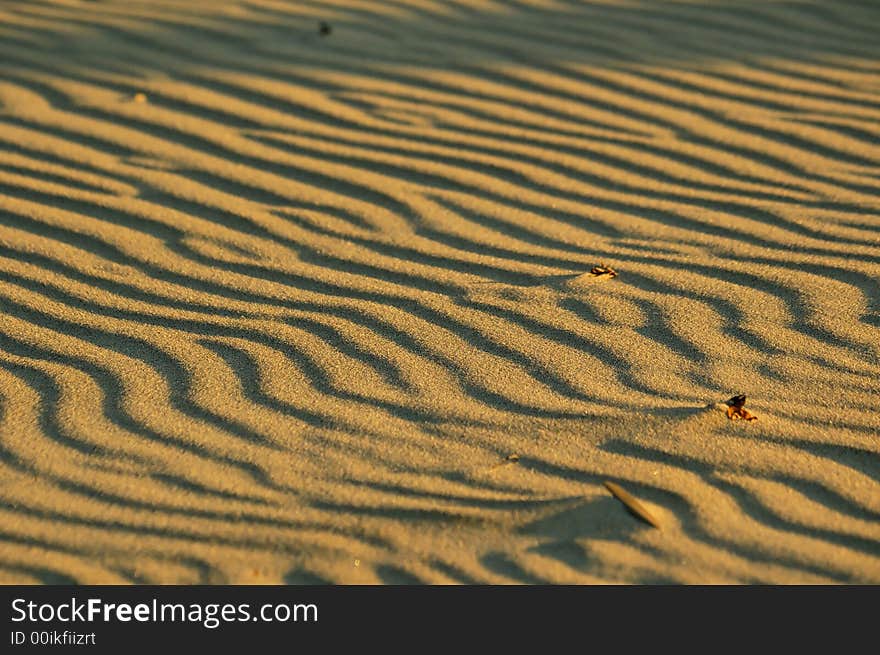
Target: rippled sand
x=280, y=306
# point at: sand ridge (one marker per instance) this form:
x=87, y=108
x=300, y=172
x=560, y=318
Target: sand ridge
x=284, y=306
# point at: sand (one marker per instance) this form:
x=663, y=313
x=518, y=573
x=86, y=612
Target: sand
x=279, y=306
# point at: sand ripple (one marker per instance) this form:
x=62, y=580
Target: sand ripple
x=283, y=316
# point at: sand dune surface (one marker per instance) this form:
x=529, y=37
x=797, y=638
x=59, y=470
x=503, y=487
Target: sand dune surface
x=284, y=306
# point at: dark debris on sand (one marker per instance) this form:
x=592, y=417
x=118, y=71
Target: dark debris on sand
x=603, y=270
x=737, y=411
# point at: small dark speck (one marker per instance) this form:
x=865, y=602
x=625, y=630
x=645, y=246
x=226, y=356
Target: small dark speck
x=324, y=29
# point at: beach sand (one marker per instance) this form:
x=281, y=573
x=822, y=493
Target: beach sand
x=288, y=305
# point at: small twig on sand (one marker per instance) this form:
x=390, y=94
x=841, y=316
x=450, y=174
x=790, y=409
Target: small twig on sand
x=633, y=505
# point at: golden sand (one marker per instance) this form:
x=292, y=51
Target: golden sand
x=299, y=291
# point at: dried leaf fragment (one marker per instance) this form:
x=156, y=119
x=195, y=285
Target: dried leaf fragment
x=603, y=270
x=736, y=411
x=633, y=505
